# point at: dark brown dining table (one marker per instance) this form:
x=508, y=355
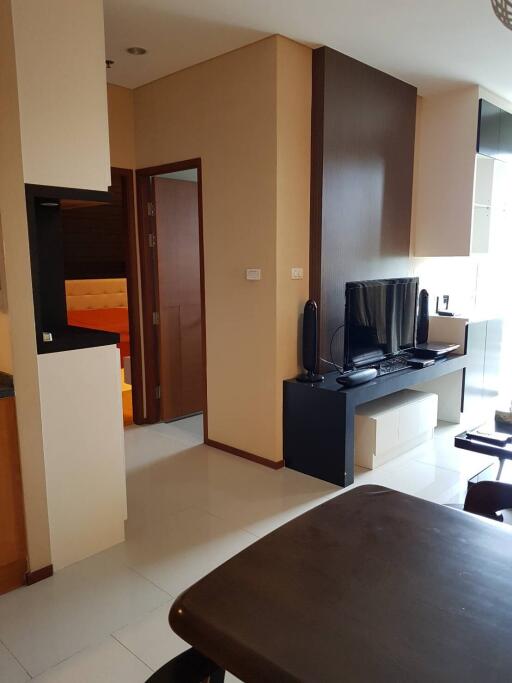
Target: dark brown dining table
x=373, y=585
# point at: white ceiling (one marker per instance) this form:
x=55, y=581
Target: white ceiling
x=433, y=44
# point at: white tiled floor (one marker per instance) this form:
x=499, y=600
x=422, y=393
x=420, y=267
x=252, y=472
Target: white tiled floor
x=190, y=508
x=10, y=669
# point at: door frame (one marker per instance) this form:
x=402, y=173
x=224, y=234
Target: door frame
x=127, y=180
x=149, y=281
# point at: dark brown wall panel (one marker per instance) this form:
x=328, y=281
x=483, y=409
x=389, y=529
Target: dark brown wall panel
x=363, y=124
x=95, y=238
x=13, y=553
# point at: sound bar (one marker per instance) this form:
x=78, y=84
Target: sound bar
x=352, y=379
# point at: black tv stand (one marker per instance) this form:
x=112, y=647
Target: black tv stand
x=319, y=418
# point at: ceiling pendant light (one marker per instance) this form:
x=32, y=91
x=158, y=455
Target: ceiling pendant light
x=503, y=10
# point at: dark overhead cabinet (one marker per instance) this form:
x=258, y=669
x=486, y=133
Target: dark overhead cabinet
x=494, y=132
x=505, y=148
x=488, y=129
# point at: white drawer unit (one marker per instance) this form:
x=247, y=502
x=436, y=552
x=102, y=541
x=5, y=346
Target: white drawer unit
x=390, y=426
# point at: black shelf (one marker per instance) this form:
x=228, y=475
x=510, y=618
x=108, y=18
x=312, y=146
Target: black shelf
x=388, y=384
x=319, y=418
x=468, y=444
x=76, y=338
x=47, y=266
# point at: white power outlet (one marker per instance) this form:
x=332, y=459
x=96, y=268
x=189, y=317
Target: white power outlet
x=297, y=273
x=253, y=274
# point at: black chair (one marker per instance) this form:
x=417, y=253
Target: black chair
x=487, y=498
x=189, y=667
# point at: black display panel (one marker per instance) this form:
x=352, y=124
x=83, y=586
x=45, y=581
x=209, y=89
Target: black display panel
x=380, y=319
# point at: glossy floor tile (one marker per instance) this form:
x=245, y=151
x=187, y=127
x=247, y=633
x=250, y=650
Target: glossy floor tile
x=458, y=460
x=189, y=430
x=190, y=508
x=176, y=552
x=107, y=662
x=151, y=639
x=416, y=478
x=79, y=606
x=153, y=642
x=10, y=669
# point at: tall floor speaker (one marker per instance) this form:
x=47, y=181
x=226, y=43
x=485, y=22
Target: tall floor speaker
x=422, y=327
x=309, y=343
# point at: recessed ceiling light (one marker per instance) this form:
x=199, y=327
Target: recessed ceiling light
x=136, y=50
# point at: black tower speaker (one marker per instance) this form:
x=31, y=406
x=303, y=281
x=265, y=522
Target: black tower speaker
x=309, y=343
x=422, y=329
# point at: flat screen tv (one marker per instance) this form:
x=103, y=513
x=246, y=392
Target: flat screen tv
x=380, y=319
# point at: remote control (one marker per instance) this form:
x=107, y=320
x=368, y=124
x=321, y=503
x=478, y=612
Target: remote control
x=357, y=377
x=420, y=362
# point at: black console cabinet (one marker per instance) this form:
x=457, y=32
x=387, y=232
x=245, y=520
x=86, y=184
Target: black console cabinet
x=319, y=418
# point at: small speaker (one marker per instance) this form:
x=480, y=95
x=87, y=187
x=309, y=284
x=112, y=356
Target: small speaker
x=309, y=343
x=422, y=328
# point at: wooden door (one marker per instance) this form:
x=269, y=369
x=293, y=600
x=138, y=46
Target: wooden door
x=13, y=551
x=179, y=297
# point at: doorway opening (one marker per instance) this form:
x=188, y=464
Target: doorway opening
x=172, y=289
x=101, y=284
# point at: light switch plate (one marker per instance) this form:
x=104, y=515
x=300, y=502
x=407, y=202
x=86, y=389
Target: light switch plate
x=297, y=273
x=253, y=274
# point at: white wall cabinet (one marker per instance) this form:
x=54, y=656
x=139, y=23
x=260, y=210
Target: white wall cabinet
x=84, y=451
x=454, y=194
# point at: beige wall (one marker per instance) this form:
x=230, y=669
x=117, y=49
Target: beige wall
x=121, y=123
x=60, y=57
x=226, y=112
x=54, y=132
x=17, y=265
x=293, y=179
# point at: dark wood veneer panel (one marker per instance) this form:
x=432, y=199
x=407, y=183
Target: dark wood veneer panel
x=47, y=262
x=363, y=124
x=94, y=237
x=273, y=464
x=179, y=296
x=13, y=548
x=39, y=575
x=317, y=174
x=489, y=122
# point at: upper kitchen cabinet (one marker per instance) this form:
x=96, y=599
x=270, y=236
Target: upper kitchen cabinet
x=494, y=131
x=489, y=124
x=454, y=186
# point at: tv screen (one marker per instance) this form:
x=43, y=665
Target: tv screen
x=380, y=319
